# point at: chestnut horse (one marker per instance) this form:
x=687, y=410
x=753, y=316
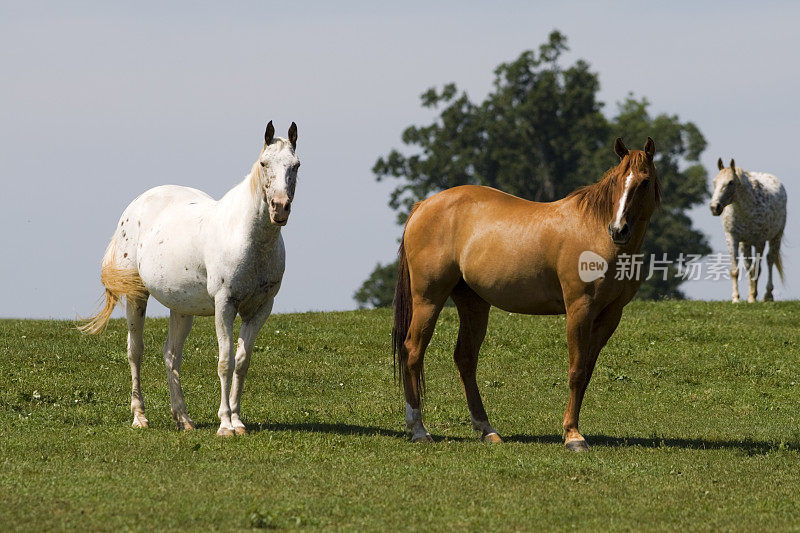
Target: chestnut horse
x=483, y=247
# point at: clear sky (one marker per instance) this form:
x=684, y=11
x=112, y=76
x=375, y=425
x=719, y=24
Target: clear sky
x=100, y=101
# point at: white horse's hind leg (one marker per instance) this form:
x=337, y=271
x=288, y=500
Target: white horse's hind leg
x=135, y=311
x=772, y=256
x=224, y=315
x=748, y=258
x=733, y=250
x=755, y=271
x=247, y=339
x=179, y=328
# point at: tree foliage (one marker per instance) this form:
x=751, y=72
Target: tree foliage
x=378, y=289
x=539, y=134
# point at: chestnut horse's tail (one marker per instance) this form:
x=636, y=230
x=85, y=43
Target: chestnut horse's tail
x=402, y=309
x=402, y=313
x=118, y=282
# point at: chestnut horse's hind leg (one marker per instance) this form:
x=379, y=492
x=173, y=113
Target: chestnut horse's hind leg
x=423, y=322
x=473, y=314
x=135, y=312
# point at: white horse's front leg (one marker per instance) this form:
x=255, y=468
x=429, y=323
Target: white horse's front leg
x=179, y=328
x=224, y=314
x=247, y=339
x=733, y=250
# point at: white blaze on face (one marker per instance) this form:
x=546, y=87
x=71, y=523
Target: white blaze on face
x=623, y=201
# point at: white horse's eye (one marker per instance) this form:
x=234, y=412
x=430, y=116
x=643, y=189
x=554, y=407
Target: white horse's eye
x=263, y=163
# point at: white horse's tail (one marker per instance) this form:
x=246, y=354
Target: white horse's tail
x=778, y=262
x=118, y=282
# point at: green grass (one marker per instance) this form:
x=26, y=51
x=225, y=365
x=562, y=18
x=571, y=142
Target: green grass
x=692, y=415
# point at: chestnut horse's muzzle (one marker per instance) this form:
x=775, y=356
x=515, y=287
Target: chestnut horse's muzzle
x=621, y=235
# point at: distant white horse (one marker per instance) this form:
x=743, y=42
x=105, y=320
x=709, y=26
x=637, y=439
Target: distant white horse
x=198, y=256
x=753, y=209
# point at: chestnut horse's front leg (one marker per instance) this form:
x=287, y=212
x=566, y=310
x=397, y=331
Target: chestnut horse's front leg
x=601, y=330
x=579, y=330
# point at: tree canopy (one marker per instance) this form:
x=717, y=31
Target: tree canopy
x=540, y=133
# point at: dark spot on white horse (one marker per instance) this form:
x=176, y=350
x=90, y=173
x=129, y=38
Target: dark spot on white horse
x=161, y=242
x=222, y=280
x=123, y=233
x=139, y=223
x=186, y=268
x=125, y=254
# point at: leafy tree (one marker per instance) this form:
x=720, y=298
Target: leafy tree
x=378, y=289
x=539, y=134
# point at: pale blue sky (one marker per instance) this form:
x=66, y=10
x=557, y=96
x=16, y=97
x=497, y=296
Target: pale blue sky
x=101, y=101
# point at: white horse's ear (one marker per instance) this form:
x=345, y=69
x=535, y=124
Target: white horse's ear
x=293, y=135
x=720, y=165
x=619, y=148
x=269, y=134
x=733, y=165
x=650, y=148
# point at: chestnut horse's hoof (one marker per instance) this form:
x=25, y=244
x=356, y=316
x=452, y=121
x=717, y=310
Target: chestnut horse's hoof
x=225, y=432
x=422, y=438
x=491, y=438
x=577, y=445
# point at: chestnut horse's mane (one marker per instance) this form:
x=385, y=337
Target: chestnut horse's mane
x=597, y=199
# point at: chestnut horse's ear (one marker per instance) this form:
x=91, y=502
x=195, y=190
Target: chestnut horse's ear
x=733, y=165
x=269, y=134
x=719, y=164
x=650, y=148
x=619, y=148
x=293, y=135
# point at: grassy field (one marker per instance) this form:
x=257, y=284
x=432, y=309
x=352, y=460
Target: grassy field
x=692, y=416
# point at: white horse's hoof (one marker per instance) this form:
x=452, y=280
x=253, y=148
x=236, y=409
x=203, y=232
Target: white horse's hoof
x=225, y=432
x=493, y=438
x=240, y=430
x=426, y=437
x=139, y=422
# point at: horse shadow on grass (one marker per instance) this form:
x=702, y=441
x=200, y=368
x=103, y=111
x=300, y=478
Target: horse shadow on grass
x=342, y=429
x=746, y=446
